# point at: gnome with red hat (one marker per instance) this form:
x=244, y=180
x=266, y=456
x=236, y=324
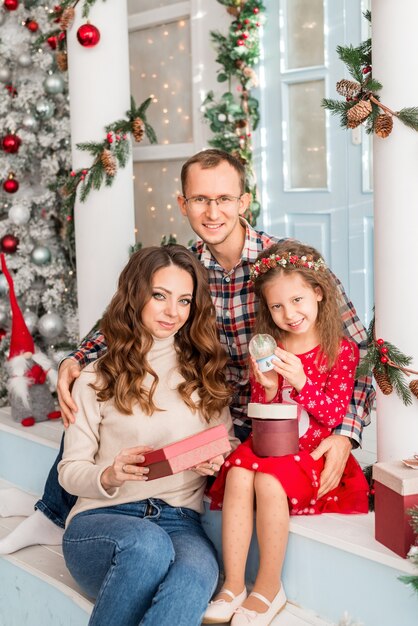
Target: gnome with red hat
x=29, y=369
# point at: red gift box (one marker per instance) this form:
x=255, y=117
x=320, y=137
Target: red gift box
x=396, y=491
x=186, y=453
x=275, y=428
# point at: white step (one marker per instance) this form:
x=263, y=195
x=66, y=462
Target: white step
x=333, y=564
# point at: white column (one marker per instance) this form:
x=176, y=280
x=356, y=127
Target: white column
x=395, y=51
x=99, y=95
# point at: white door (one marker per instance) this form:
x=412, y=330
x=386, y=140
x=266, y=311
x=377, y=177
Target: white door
x=315, y=176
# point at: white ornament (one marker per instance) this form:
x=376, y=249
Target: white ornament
x=30, y=123
x=50, y=325
x=5, y=74
x=4, y=287
x=19, y=215
x=40, y=255
x=24, y=59
x=31, y=320
x=54, y=84
x=262, y=348
x=222, y=117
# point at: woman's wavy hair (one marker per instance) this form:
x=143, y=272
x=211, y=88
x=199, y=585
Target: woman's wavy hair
x=200, y=356
x=329, y=323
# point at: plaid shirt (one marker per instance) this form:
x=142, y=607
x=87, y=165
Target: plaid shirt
x=236, y=309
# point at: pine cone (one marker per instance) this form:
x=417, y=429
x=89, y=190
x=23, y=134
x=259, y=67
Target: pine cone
x=383, y=125
x=383, y=381
x=67, y=18
x=108, y=162
x=348, y=88
x=413, y=385
x=359, y=112
x=138, y=129
x=61, y=59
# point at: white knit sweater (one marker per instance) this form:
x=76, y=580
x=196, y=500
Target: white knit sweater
x=100, y=432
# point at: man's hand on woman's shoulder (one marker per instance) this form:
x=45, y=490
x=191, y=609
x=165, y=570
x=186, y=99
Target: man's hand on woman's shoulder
x=69, y=370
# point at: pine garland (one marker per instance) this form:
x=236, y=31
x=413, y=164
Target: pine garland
x=232, y=118
x=109, y=154
x=389, y=365
x=413, y=555
x=364, y=91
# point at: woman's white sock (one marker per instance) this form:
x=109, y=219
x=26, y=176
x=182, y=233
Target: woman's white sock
x=36, y=529
x=14, y=502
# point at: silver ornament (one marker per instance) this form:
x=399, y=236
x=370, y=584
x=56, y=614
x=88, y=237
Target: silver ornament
x=31, y=320
x=44, y=109
x=4, y=318
x=30, y=123
x=19, y=215
x=4, y=287
x=24, y=59
x=40, y=255
x=50, y=325
x=54, y=84
x=5, y=74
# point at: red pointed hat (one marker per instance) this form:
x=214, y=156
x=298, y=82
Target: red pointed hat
x=21, y=340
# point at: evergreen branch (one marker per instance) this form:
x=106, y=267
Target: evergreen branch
x=88, y=4
x=409, y=117
x=150, y=133
x=91, y=146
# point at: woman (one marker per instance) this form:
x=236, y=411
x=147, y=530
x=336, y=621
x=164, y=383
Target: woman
x=138, y=546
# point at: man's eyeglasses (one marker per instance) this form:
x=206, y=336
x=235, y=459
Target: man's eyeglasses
x=225, y=202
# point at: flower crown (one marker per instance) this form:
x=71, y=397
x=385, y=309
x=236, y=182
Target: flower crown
x=286, y=260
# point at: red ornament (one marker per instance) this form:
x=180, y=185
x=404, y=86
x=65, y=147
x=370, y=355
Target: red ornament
x=384, y=359
x=256, y=10
x=9, y=244
x=52, y=42
x=367, y=70
x=11, y=185
x=380, y=342
x=11, y=143
x=240, y=42
x=11, y=5
x=12, y=90
x=32, y=25
x=384, y=350
x=88, y=35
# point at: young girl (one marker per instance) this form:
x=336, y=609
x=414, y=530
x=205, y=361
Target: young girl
x=138, y=546
x=315, y=369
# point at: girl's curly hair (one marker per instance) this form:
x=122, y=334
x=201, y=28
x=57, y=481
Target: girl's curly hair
x=329, y=323
x=200, y=356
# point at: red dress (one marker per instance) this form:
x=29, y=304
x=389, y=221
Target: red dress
x=325, y=398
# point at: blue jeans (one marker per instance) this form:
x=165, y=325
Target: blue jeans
x=56, y=503
x=145, y=563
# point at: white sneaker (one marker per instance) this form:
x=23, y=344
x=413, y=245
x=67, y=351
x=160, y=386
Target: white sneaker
x=220, y=611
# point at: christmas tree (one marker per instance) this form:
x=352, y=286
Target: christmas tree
x=34, y=154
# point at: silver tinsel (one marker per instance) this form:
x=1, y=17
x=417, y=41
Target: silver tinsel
x=50, y=325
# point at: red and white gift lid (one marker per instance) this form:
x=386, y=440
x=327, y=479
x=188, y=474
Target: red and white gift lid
x=274, y=411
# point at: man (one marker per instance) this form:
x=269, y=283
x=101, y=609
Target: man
x=214, y=200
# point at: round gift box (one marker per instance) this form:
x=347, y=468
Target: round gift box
x=275, y=429
x=275, y=437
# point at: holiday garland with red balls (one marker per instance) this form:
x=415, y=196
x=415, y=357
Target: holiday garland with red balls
x=390, y=367
x=234, y=115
